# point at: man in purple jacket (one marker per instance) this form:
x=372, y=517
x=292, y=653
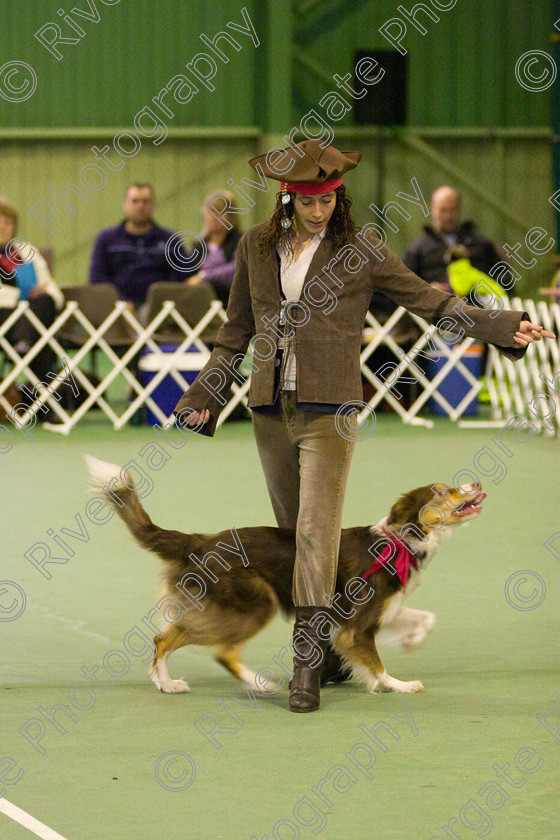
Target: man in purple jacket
x=132, y=255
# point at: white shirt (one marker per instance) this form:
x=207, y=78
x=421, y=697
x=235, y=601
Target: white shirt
x=292, y=275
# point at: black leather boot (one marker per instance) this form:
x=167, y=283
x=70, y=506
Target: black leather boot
x=309, y=654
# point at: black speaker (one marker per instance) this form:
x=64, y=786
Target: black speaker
x=385, y=101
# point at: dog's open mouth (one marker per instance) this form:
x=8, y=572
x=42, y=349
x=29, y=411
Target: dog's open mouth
x=474, y=506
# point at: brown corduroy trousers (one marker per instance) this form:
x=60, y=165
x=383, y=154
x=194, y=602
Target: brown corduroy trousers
x=305, y=456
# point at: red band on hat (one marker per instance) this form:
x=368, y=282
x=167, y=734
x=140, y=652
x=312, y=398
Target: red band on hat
x=312, y=187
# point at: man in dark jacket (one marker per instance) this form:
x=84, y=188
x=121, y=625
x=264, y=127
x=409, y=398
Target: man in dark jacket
x=425, y=256
x=132, y=255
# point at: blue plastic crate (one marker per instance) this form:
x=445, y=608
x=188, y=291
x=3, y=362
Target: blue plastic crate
x=454, y=387
x=167, y=394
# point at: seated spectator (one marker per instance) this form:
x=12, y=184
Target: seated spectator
x=132, y=255
x=25, y=275
x=218, y=267
x=426, y=255
x=463, y=278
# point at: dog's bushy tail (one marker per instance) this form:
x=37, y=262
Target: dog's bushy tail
x=118, y=488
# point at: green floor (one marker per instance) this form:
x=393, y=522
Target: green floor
x=490, y=668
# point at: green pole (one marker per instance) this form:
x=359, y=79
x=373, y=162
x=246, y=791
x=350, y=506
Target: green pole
x=273, y=83
x=277, y=73
x=555, y=110
x=273, y=76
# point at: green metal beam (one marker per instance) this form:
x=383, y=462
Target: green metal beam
x=306, y=6
x=446, y=133
x=108, y=132
x=307, y=64
x=254, y=132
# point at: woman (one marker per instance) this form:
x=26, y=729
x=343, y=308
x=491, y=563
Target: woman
x=302, y=287
x=218, y=267
x=25, y=273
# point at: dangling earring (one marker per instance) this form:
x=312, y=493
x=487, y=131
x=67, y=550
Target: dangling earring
x=285, y=222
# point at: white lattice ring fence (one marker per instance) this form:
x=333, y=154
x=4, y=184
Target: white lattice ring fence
x=526, y=387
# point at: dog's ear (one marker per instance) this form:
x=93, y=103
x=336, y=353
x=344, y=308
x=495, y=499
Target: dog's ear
x=408, y=506
x=403, y=510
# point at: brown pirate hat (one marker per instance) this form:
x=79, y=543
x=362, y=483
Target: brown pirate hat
x=314, y=164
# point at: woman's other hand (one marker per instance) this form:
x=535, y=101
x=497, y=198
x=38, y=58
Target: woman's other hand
x=529, y=332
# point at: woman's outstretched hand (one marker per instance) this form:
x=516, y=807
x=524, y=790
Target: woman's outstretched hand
x=529, y=332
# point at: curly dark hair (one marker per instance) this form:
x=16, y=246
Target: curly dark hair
x=341, y=229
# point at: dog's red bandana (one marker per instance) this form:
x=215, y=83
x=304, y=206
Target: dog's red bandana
x=398, y=555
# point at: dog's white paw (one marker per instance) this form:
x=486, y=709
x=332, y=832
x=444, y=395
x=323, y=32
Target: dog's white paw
x=399, y=686
x=167, y=685
x=430, y=620
x=419, y=633
x=411, y=687
x=413, y=640
x=174, y=687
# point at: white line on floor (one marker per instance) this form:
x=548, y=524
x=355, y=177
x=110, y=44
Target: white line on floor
x=29, y=822
x=76, y=625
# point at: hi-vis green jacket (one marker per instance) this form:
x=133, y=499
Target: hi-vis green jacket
x=463, y=277
x=326, y=323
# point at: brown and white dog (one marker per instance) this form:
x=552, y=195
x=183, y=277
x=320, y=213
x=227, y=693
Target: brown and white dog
x=231, y=584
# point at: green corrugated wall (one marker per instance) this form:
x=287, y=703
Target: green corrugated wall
x=462, y=88
x=125, y=59
x=462, y=71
